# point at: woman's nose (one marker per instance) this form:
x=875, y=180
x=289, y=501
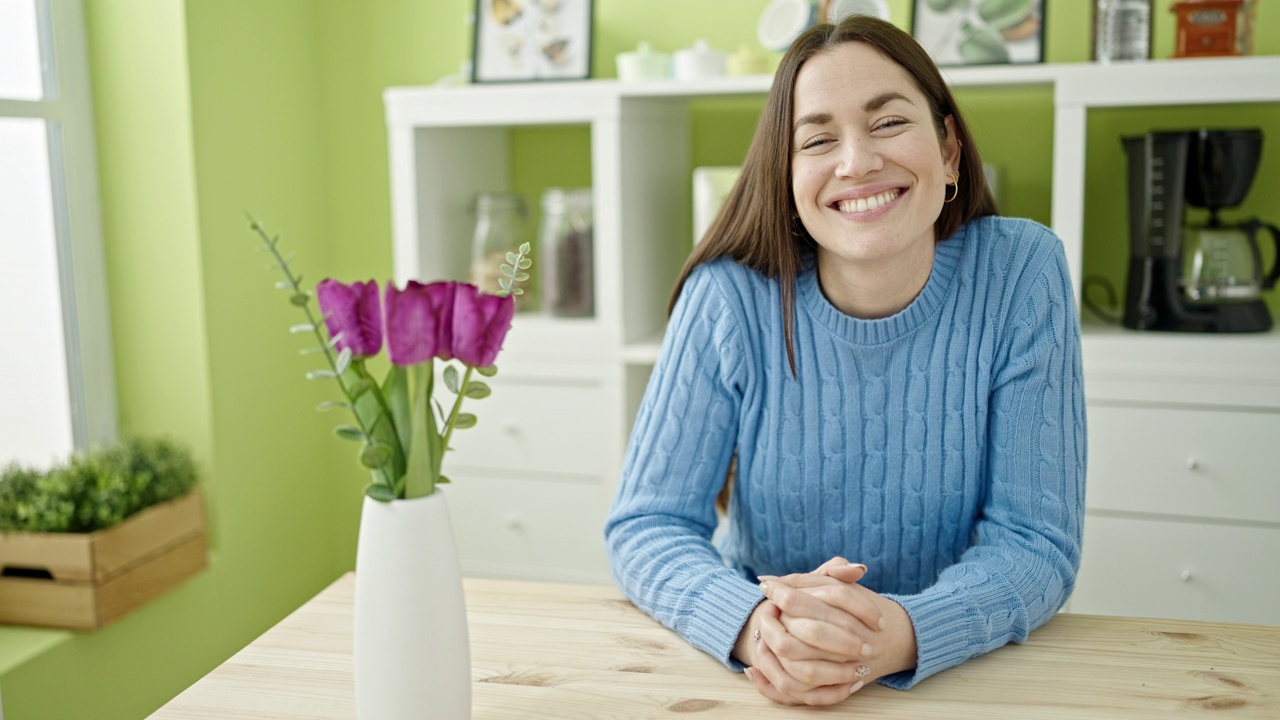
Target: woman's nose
x=857, y=158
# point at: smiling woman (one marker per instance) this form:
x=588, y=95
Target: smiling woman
x=890, y=376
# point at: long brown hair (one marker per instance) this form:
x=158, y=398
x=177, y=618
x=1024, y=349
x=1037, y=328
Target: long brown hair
x=758, y=225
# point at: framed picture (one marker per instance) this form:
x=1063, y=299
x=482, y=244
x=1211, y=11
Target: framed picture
x=980, y=32
x=519, y=40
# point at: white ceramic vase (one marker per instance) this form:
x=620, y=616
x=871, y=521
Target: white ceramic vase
x=412, y=657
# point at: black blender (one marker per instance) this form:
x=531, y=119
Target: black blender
x=1186, y=277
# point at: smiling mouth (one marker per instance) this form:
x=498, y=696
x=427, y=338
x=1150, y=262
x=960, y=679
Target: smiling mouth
x=868, y=203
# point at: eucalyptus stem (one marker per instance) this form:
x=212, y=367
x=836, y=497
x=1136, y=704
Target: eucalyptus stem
x=453, y=415
x=302, y=299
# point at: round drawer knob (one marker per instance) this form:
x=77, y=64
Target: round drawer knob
x=1192, y=463
x=513, y=522
x=1186, y=575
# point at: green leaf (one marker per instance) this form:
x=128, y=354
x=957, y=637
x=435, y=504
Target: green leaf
x=525, y=263
x=300, y=299
x=331, y=405
x=375, y=455
x=302, y=328
x=421, y=467
x=464, y=421
x=477, y=390
x=344, y=360
x=524, y=248
x=513, y=258
x=521, y=277
x=349, y=432
x=451, y=379
x=488, y=370
x=396, y=390
x=321, y=375
x=380, y=492
x=442, y=480
x=517, y=291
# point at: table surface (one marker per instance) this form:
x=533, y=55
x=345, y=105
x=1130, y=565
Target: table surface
x=546, y=650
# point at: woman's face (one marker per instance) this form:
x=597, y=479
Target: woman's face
x=868, y=171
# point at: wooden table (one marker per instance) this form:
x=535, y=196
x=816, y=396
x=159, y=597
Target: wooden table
x=542, y=650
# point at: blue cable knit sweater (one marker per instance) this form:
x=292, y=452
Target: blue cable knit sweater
x=943, y=447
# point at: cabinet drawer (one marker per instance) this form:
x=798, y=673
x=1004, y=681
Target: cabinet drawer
x=1188, y=571
x=558, y=425
x=1202, y=463
x=529, y=529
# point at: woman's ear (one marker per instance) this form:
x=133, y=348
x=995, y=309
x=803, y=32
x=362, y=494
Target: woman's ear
x=951, y=147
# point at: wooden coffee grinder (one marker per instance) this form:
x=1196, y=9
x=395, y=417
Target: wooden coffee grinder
x=1213, y=28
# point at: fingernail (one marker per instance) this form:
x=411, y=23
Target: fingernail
x=764, y=587
x=883, y=624
x=867, y=650
x=856, y=686
x=762, y=578
x=858, y=565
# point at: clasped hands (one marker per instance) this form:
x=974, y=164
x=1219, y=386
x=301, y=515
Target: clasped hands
x=819, y=637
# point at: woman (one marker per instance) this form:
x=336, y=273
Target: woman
x=892, y=371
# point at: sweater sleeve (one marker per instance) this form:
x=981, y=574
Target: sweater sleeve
x=1022, y=566
x=658, y=534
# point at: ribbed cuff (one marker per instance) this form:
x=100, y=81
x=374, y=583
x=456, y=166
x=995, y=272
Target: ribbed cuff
x=944, y=628
x=718, y=616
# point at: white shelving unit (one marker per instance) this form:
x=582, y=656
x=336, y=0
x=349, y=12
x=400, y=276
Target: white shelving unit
x=533, y=487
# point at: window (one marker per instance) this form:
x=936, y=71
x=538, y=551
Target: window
x=56, y=373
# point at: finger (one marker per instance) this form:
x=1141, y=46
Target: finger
x=819, y=640
x=766, y=688
x=797, y=692
x=841, y=608
x=784, y=644
x=842, y=570
x=852, y=599
x=820, y=673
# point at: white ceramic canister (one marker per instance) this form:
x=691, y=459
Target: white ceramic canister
x=644, y=63
x=699, y=62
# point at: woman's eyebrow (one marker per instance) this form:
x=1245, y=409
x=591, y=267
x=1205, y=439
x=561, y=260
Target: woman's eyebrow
x=875, y=103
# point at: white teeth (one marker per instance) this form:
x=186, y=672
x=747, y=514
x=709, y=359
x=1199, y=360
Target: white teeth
x=864, y=204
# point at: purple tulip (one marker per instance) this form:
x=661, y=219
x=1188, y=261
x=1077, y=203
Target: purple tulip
x=419, y=321
x=480, y=324
x=354, y=311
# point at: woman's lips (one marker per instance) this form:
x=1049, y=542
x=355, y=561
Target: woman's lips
x=867, y=204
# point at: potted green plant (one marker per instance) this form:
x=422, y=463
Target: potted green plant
x=89, y=540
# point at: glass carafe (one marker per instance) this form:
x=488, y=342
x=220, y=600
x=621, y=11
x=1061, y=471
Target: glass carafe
x=1224, y=263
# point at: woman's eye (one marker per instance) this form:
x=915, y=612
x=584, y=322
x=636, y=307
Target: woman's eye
x=889, y=123
x=814, y=142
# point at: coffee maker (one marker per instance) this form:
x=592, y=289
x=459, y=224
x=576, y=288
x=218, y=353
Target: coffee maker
x=1195, y=277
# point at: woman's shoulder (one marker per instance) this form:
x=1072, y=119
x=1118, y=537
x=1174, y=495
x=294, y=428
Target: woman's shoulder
x=727, y=280
x=1012, y=243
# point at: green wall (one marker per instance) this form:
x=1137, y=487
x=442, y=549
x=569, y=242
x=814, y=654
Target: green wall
x=207, y=109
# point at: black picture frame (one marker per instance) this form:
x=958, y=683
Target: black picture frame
x=980, y=32
x=532, y=40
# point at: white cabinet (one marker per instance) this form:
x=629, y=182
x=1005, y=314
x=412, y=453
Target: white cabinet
x=534, y=479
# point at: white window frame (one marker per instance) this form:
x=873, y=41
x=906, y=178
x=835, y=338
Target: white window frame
x=73, y=169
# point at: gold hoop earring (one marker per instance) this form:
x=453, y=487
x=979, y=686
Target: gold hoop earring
x=955, y=185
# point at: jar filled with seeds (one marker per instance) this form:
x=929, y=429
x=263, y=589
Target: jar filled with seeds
x=565, y=253
x=501, y=225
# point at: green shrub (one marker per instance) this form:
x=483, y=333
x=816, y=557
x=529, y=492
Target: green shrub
x=96, y=490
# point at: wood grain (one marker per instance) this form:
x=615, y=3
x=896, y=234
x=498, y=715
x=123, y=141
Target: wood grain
x=544, y=650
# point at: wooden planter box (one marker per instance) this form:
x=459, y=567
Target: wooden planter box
x=85, y=580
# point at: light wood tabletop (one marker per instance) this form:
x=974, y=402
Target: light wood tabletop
x=545, y=650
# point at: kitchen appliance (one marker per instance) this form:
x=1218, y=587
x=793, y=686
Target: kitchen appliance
x=1187, y=277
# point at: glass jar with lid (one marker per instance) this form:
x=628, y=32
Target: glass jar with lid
x=565, y=253
x=501, y=225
